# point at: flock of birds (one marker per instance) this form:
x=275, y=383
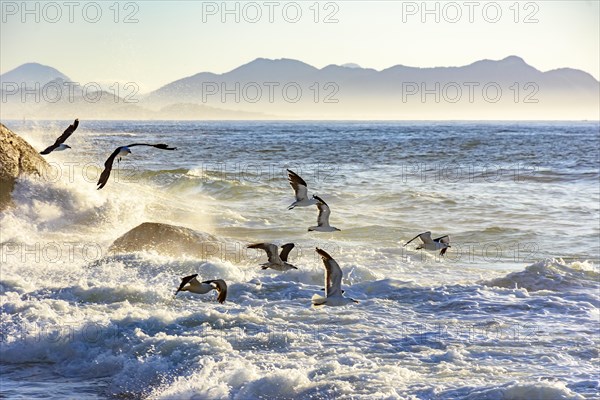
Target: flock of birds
x=334, y=295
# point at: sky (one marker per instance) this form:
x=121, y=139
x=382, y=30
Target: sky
x=153, y=43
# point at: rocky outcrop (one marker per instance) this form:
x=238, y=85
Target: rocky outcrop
x=167, y=239
x=17, y=157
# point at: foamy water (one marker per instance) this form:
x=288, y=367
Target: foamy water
x=511, y=312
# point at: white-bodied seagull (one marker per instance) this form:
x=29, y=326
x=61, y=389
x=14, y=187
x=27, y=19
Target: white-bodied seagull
x=122, y=152
x=276, y=261
x=192, y=284
x=59, y=144
x=442, y=243
x=323, y=217
x=301, y=191
x=333, y=284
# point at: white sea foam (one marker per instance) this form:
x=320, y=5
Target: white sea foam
x=550, y=274
x=555, y=390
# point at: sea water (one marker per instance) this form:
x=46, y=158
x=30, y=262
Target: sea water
x=510, y=312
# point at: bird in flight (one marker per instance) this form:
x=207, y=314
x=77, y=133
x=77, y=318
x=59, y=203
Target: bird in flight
x=192, y=284
x=122, y=152
x=300, y=190
x=276, y=261
x=442, y=243
x=334, y=295
x=59, y=144
x=323, y=217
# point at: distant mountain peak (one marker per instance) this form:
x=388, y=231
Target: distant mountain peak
x=35, y=67
x=350, y=65
x=262, y=60
x=32, y=65
x=33, y=73
x=267, y=64
x=513, y=60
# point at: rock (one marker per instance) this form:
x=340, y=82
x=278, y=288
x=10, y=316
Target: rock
x=167, y=239
x=16, y=157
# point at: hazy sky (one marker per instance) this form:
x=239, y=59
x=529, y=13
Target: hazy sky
x=172, y=40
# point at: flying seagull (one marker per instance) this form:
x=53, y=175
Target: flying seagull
x=333, y=282
x=442, y=243
x=276, y=261
x=323, y=218
x=300, y=189
x=192, y=284
x=122, y=152
x=59, y=144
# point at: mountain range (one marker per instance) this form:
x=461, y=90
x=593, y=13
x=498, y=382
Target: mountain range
x=290, y=89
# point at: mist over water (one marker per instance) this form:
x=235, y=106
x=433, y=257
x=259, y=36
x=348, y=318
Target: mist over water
x=510, y=312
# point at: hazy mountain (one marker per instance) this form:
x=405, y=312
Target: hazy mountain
x=259, y=71
x=61, y=98
x=31, y=74
x=486, y=89
x=284, y=88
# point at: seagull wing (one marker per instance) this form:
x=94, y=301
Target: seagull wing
x=61, y=139
x=221, y=288
x=49, y=149
x=270, y=249
x=324, y=212
x=443, y=239
x=425, y=237
x=333, y=275
x=107, y=168
x=285, y=250
x=298, y=184
x=68, y=132
x=161, y=146
x=185, y=281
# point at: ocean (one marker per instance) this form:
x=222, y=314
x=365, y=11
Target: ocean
x=510, y=312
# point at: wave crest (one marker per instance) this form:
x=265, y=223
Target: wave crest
x=550, y=274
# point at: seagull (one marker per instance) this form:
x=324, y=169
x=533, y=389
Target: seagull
x=300, y=188
x=122, y=152
x=59, y=144
x=333, y=282
x=323, y=218
x=276, y=261
x=442, y=243
x=192, y=284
